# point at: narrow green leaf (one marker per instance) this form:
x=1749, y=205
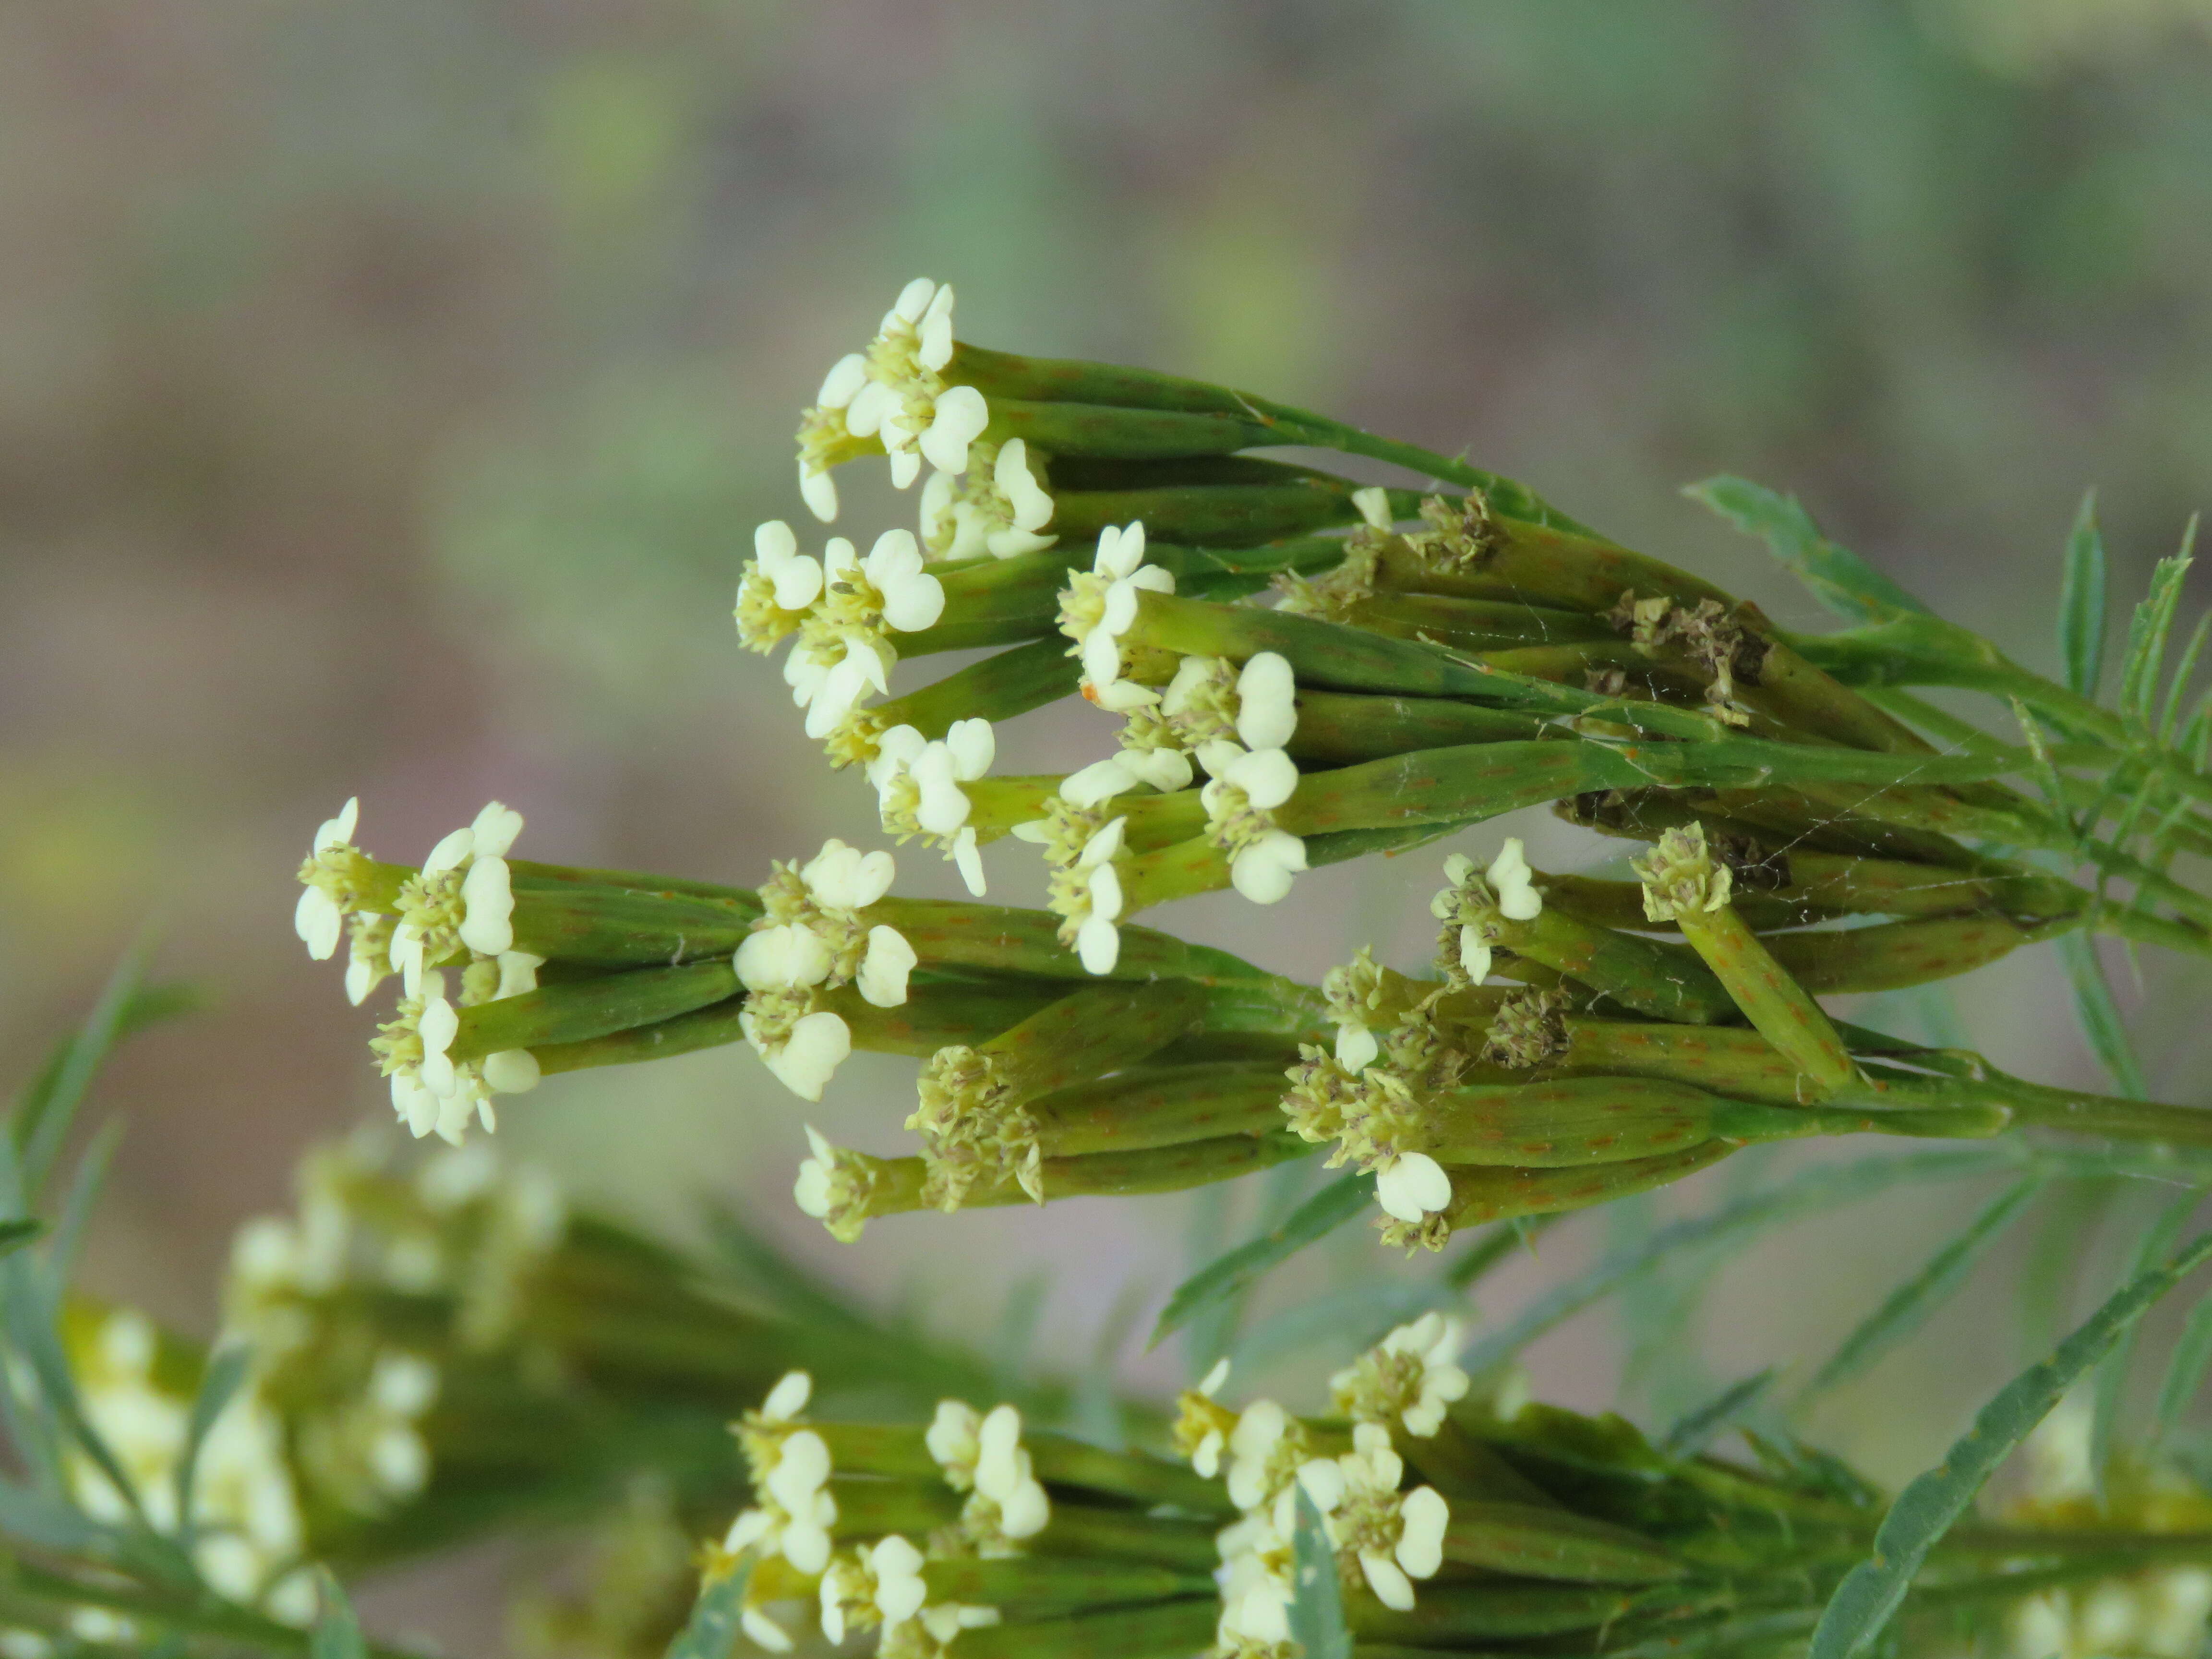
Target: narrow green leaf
x=1496, y=1243
x=219, y=1384
x=2081, y=612
x=2184, y=1372
x=337, y=1634
x=1317, y=1623
x=2184, y=672
x=1865, y=1601
x=2110, y=1386
x=2147, y=630
x=34, y=1517
x=1909, y=1305
x=2100, y=1014
x=711, y=1632
x=1825, y=1187
x=1696, y=1427
x=77, y=1206
x=1227, y=1276
x=1838, y=578
x=14, y=1235
x=127, y=1005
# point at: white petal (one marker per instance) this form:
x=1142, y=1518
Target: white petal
x=1103, y=846
x=1032, y=505
x=1166, y=769
x=319, y=921
x=1102, y=657
x=818, y=1045
x=1101, y=780
x=914, y=300
x=1473, y=955
x=973, y=746
x=1125, y=696
x=1218, y=755
x=895, y=751
x=511, y=1072
x=913, y=602
x=1013, y=543
x=807, y=1547
x=1154, y=578
x=820, y=491
x=487, y=898
x=1420, y=1549
x=1106, y=892
x=1268, y=777
x=797, y=583
x=1355, y=1047
x=454, y=1111
x=969, y=861
x=884, y=970
x=1098, y=943
x=1387, y=1580
x=338, y=831
x=1118, y=608
x=906, y=467
x=1262, y=873
x=934, y=348
x=1268, y=711
x=943, y=806
x=449, y=852
x=958, y=420
x=416, y=1106
x=1413, y=1187
x=775, y=545
x=1025, y=1511
x=494, y=830
x=844, y=380
x=1374, y=505
x=872, y=405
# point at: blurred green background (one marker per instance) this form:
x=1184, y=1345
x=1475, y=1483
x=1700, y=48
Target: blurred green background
x=388, y=391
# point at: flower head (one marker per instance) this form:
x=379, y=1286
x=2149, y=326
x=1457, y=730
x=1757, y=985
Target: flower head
x=779, y=589
x=1248, y=786
x=328, y=883
x=1387, y=1537
x=1408, y=1378
x=1097, y=606
x=995, y=510
x=1087, y=895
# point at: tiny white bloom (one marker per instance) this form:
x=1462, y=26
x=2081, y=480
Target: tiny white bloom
x=1356, y=1046
x=794, y=580
x=808, y=1058
x=958, y=419
x=842, y=878
x=1262, y=872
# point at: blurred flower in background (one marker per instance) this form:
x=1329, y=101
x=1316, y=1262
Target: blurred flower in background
x=388, y=392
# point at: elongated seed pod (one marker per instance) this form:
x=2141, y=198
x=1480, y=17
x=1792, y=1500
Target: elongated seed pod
x=1481, y=1193
x=1565, y=1123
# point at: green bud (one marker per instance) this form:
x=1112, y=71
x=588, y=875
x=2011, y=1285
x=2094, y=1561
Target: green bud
x=1482, y=1194
x=1474, y=624
x=582, y=1009
x=973, y=1118
x=1894, y=955
x=1120, y=435
x=1340, y=728
x=618, y=927
x=1683, y=883
x=1159, y=1106
x=1533, y=1542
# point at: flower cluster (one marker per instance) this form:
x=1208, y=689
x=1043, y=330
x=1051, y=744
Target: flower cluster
x=920, y=1534
x=245, y=1511
x=455, y=912
x=1385, y=1537
x=892, y=398
x=811, y=938
x=458, y=1234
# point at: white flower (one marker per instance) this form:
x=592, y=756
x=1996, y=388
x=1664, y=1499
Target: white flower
x=919, y=789
x=1255, y=1474
x=779, y=587
x=1097, y=608
x=996, y=510
x=842, y=878
x=908, y=598
x=1263, y=872
x=897, y=1566
x=1026, y=498
x=1267, y=713
x=962, y=755
x=1412, y=1186
x=1508, y=875
x=1004, y=1475
x=1410, y=1376
x=852, y=665
x=320, y=916
x=1396, y=1538
x=1095, y=903
x=954, y=1438
x=1163, y=769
